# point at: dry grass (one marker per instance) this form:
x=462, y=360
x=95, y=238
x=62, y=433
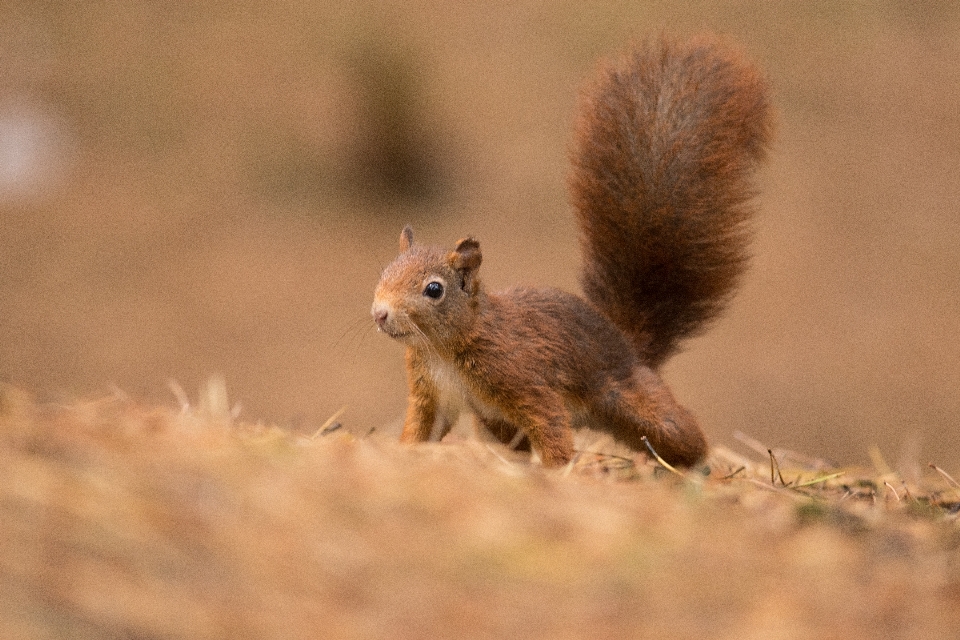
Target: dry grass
x=124, y=521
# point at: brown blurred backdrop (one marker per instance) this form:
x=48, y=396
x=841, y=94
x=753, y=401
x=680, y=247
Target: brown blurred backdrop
x=191, y=188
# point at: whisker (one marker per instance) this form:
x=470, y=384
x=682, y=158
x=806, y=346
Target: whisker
x=353, y=330
x=426, y=341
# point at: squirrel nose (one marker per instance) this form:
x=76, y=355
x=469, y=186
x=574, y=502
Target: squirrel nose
x=380, y=316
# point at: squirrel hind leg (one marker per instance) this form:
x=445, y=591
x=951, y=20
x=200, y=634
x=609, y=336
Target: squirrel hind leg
x=643, y=406
x=544, y=422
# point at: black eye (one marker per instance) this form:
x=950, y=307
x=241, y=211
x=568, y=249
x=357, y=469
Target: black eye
x=433, y=290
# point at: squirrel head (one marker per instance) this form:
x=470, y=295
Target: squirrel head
x=428, y=296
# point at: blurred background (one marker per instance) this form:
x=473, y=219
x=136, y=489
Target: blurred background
x=198, y=188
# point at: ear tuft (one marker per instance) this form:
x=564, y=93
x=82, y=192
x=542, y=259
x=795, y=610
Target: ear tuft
x=406, y=239
x=466, y=256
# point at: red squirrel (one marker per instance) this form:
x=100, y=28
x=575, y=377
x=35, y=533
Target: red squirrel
x=667, y=142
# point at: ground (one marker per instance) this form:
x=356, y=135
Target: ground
x=125, y=521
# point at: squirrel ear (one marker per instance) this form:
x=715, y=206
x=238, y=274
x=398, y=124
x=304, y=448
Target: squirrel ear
x=466, y=256
x=406, y=239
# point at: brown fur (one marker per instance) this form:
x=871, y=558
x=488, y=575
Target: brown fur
x=666, y=145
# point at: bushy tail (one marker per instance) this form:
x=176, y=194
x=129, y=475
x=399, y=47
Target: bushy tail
x=667, y=142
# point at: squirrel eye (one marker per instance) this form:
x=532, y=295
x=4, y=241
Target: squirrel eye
x=433, y=290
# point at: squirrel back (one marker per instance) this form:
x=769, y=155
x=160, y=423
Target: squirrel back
x=667, y=141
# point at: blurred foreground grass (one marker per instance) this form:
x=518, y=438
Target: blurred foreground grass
x=125, y=521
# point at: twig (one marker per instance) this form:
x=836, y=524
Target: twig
x=786, y=454
x=573, y=461
x=751, y=443
x=600, y=454
x=517, y=439
x=946, y=475
x=730, y=476
x=879, y=463
x=796, y=495
x=906, y=491
x=657, y=457
x=180, y=395
x=775, y=465
x=499, y=457
x=327, y=425
x=818, y=480
x=895, y=494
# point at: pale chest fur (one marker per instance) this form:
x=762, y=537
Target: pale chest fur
x=455, y=393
